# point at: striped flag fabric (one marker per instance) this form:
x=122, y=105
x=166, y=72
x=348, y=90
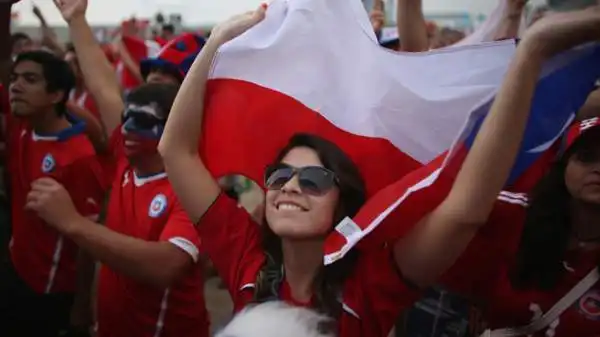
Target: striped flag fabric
x=315, y=66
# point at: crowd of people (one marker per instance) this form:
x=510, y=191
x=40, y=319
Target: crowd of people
x=113, y=220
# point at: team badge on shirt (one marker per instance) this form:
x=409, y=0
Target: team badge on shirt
x=157, y=206
x=48, y=163
x=589, y=305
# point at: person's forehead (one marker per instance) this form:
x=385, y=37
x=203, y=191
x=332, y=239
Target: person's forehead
x=149, y=109
x=28, y=67
x=302, y=156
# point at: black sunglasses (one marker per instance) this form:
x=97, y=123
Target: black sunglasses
x=311, y=179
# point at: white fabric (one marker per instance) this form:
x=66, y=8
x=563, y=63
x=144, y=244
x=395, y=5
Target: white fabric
x=187, y=246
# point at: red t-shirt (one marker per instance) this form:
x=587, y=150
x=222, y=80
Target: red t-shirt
x=42, y=257
x=147, y=208
x=372, y=297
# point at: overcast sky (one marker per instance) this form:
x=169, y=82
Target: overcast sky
x=203, y=11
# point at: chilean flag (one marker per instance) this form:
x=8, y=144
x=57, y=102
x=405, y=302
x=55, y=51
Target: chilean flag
x=407, y=120
x=139, y=50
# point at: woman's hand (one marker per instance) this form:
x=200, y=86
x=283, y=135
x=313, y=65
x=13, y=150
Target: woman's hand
x=71, y=9
x=239, y=24
x=562, y=31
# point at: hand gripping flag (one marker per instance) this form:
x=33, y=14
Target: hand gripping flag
x=315, y=66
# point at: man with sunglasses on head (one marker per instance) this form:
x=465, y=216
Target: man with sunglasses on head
x=150, y=282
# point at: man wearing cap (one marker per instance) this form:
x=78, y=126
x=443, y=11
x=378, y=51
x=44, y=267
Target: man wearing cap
x=173, y=61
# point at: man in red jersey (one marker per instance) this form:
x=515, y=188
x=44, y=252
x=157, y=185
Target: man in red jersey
x=150, y=283
x=39, y=282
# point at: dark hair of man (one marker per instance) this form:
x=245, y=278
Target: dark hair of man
x=57, y=73
x=161, y=95
x=168, y=28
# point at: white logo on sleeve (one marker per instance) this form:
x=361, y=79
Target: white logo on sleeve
x=588, y=123
x=157, y=206
x=125, y=179
x=48, y=163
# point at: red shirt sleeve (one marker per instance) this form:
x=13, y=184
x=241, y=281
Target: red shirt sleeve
x=232, y=241
x=180, y=231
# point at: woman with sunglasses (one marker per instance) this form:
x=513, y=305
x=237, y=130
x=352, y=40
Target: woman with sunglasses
x=313, y=185
x=543, y=250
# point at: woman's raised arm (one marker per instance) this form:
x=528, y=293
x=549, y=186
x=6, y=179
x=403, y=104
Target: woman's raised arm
x=440, y=238
x=194, y=185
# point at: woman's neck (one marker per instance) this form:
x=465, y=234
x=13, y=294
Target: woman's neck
x=302, y=261
x=585, y=221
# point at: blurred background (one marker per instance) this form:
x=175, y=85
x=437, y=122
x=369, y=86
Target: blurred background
x=201, y=15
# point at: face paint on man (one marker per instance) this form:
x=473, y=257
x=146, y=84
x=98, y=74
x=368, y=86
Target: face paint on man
x=142, y=128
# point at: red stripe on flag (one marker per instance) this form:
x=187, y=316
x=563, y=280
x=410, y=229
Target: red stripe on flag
x=246, y=125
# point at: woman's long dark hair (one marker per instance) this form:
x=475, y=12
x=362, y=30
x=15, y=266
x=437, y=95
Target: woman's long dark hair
x=547, y=229
x=328, y=283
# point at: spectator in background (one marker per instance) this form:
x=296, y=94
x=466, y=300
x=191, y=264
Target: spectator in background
x=79, y=95
x=168, y=32
x=536, y=14
x=445, y=37
x=49, y=38
x=20, y=42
